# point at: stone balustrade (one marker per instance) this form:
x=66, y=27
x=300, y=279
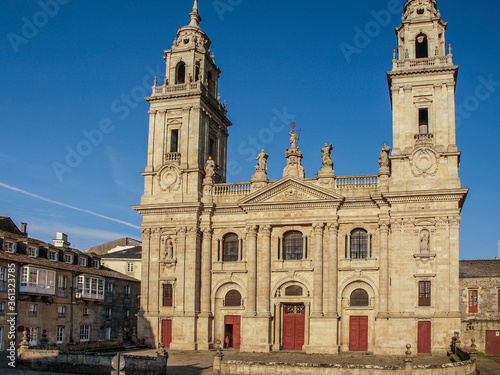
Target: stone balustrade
x=166, y=89
x=173, y=156
x=425, y=62
x=357, y=182
x=232, y=189
x=424, y=138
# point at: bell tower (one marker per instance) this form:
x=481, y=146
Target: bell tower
x=422, y=87
x=188, y=122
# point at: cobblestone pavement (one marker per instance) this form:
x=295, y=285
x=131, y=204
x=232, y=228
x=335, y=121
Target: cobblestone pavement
x=489, y=365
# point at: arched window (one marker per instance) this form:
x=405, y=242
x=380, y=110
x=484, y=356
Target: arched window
x=293, y=246
x=211, y=83
x=293, y=290
x=359, y=244
x=359, y=298
x=230, y=248
x=233, y=298
x=180, y=75
x=421, y=47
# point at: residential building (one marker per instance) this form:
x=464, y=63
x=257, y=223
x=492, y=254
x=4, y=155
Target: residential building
x=62, y=290
x=324, y=264
x=480, y=304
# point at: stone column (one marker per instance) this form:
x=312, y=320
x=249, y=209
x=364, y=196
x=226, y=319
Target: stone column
x=454, y=223
x=180, y=297
x=154, y=272
x=264, y=285
x=333, y=229
x=191, y=267
x=206, y=277
x=144, y=320
x=384, y=268
x=317, y=310
x=252, y=269
x=151, y=140
x=277, y=327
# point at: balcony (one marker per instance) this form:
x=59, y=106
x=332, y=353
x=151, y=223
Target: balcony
x=424, y=139
x=166, y=89
x=90, y=295
x=173, y=157
x=32, y=288
x=430, y=62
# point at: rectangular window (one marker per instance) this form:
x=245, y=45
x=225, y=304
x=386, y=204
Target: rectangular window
x=33, y=309
x=127, y=291
x=95, y=264
x=2, y=308
x=33, y=335
x=53, y=255
x=32, y=251
x=86, y=312
x=473, y=299
x=107, y=333
x=423, y=121
x=213, y=149
x=90, y=287
x=109, y=288
x=68, y=258
x=10, y=247
x=60, y=335
x=1, y=338
x=61, y=311
x=167, y=295
x=108, y=313
x=84, y=333
x=174, y=140
x=3, y=279
x=127, y=314
x=424, y=293
x=130, y=267
x=82, y=262
x=37, y=280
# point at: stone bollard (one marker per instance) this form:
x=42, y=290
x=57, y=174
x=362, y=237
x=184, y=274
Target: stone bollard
x=134, y=337
x=473, y=351
x=24, y=345
x=162, y=355
x=408, y=360
x=219, y=356
x=120, y=338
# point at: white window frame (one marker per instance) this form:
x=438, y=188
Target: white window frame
x=10, y=247
x=32, y=251
x=37, y=280
x=86, y=312
x=3, y=279
x=82, y=261
x=2, y=308
x=107, y=333
x=109, y=313
x=84, y=333
x=130, y=267
x=127, y=314
x=128, y=291
x=1, y=337
x=63, y=282
x=91, y=287
x=109, y=288
x=61, y=311
x=60, y=335
x=33, y=335
x=33, y=309
x=68, y=258
x=53, y=256
x=95, y=264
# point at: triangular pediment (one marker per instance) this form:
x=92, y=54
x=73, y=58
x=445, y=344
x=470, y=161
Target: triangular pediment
x=290, y=190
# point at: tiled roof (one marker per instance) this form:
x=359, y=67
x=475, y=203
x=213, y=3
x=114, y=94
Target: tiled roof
x=130, y=253
x=479, y=268
x=45, y=263
x=7, y=225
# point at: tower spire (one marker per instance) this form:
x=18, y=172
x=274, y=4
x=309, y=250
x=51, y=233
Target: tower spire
x=195, y=16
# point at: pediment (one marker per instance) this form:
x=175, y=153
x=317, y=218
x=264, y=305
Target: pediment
x=290, y=190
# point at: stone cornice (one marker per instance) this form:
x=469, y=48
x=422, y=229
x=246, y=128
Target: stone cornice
x=426, y=70
x=154, y=209
x=457, y=195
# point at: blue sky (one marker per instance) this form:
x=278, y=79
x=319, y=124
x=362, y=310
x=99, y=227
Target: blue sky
x=63, y=77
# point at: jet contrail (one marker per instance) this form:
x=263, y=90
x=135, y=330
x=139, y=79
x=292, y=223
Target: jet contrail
x=67, y=206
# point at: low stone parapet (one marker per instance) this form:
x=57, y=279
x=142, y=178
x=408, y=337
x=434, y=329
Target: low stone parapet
x=260, y=368
x=89, y=362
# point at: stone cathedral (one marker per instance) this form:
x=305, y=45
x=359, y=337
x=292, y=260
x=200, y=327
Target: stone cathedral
x=324, y=265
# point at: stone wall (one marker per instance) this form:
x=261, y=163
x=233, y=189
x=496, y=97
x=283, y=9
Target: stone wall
x=89, y=363
x=255, y=368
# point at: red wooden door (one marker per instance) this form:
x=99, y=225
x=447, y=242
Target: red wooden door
x=233, y=326
x=493, y=342
x=293, y=327
x=424, y=338
x=358, y=334
x=166, y=333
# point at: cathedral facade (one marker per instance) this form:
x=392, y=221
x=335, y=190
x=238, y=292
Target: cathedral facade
x=324, y=265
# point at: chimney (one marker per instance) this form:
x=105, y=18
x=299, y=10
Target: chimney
x=24, y=229
x=61, y=240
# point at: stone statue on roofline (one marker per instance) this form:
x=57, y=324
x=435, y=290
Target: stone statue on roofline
x=261, y=161
x=326, y=155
